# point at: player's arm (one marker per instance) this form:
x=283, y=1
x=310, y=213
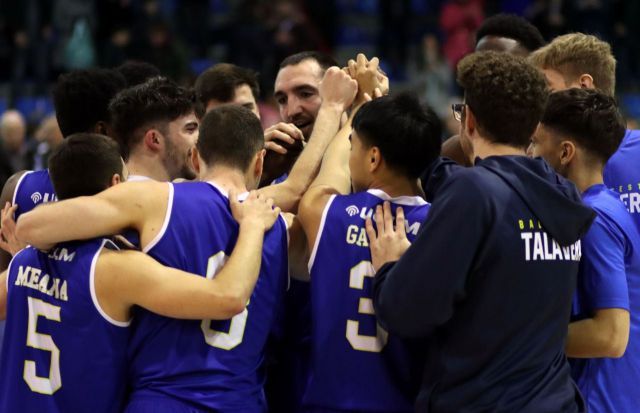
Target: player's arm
x=3, y=294
x=337, y=90
x=128, y=278
x=334, y=177
x=138, y=205
x=604, y=288
x=606, y=334
x=7, y=196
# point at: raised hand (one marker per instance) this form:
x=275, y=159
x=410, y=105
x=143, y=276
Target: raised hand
x=283, y=132
x=390, y=242
x=255, y=211
x=338, y=88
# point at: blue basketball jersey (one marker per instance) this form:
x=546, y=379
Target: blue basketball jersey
x=622, y=173
x=61, y=352
x=33, y=188
x=355, y=365
x=209, y=365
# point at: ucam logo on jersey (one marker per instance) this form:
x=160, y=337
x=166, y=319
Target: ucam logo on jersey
x=37, y=197
x=352, y=210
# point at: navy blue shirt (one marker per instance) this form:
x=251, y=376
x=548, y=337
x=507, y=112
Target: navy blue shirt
x=489, y=281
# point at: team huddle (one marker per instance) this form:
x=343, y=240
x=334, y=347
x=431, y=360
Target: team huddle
x=343, y=260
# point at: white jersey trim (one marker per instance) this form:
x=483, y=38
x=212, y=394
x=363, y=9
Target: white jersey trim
x=165, y=224
x=314, y=251
x=401, y=200
x=138, y=178
x=15, y=190
x=92, y=287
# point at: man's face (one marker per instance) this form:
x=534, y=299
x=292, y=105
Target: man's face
x=501, y=44
x=546, y=144
x=181, y=138
x=243, y=96
x=358, y=160
x=296, y=91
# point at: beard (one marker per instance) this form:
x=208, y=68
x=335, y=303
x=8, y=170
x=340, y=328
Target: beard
x=178, y=165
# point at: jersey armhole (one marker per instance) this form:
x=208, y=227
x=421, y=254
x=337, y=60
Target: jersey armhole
x=165, y=224
x=17, y=188
x=314, y=251
x=92, y=285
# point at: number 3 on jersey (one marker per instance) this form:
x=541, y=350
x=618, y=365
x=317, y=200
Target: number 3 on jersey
x=220, y=339
x=42, y=385
x=358, y=341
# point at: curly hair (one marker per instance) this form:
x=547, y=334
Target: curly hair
x=153, y=103
x=575, y=54
x=81, y=98
x=506, y=94
x=512, y=27
x=589, y=117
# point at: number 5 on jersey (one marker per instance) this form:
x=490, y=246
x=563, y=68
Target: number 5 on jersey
x=42, y=385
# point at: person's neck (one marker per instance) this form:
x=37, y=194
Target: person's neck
x=147, y=166
x=585, y=177
x=397, y=187
x=225, y=177
x=482, y=148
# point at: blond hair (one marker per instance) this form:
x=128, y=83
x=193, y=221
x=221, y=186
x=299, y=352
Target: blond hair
x=575, y=54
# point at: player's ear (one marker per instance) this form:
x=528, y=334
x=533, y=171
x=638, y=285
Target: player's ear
x=116, y=179
x=469, y=120
x=375, y=158
x=586, y=81
x=259, y=163
x=567, y=152
x=195, y=160
x=152, y=140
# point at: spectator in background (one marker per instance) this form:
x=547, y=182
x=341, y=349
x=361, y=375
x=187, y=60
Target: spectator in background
x=48, y=137
x=437, y=76
x=394, y=16
x=164, y=51
x=459, y=20
x=74, y=22
x=114, y=34
x=13, y=131
x=508, y=33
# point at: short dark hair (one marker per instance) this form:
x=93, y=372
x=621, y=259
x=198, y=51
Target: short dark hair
x=506, y=94
x=158, y=100
x=324, y=60
x=512, y=27
x=589, y=117
x=136, y=72
x=408, y=134
x=230, y=135
x=84, y=164
x=81, y=98
x=219, y=82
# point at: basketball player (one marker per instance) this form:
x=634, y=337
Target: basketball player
x=581, y=60
x=80, y=98
x=505, y=33
x=489, y=280
x=73, y=303
x=366, y=369
x=579, y=131
x=195, y=366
